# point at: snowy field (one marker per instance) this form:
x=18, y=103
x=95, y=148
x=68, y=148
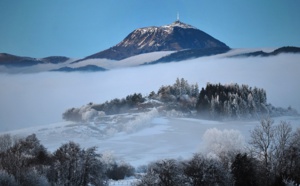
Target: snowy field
x=160, y=138
x=35, y=102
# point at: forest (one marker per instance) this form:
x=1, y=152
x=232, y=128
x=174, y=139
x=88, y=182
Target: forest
x=215, y=102
x=271, y=158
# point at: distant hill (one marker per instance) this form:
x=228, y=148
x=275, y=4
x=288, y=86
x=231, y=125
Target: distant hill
x=19, y=61
x=87, y=68
x=55, y=59
x=287, y=49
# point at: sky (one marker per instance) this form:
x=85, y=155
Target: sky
x=76, y=28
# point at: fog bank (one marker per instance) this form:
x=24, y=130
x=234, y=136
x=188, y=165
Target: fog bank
x=41, y=98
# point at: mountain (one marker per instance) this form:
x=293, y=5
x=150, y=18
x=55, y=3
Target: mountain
x=12, y=60
x=184, y=40
x=19, y=61
x=287, y=49
x=174, y=37
x=87, y=68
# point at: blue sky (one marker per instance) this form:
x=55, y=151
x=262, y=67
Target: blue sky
x=77, y=28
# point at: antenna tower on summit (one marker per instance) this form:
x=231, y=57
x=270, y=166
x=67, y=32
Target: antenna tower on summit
x=177, y=16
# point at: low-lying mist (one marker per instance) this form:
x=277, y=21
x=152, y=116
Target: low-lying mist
x=41, y=98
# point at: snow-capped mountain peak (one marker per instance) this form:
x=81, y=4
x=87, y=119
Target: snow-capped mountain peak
x=172, y=37
x=178, y=24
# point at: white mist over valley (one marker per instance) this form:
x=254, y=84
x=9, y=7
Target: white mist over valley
x=41, y=98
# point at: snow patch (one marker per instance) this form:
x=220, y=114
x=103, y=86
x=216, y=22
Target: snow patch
x=178, y=24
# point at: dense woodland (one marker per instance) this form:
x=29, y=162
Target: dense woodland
x=271, y=158
x=232, y=101
x=215, y=101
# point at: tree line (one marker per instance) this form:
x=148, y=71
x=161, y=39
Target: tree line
x=232, y=101
x=26, y=162
x=272, y=158
x=215, y=101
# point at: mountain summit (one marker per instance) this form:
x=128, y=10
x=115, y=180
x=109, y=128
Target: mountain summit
x=173, y=37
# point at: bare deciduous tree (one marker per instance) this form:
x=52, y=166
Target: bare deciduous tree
x=262, y=141
x=262, y=138
x=270, y=143
x=282, y=138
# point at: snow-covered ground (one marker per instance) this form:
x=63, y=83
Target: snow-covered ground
x=158, y=138
x=126, y=182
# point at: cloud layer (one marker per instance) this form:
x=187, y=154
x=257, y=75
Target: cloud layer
x=41, y=98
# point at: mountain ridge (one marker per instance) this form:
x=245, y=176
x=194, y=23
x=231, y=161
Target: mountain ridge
x=21, y=61
x=285, y=49
x=87, y=68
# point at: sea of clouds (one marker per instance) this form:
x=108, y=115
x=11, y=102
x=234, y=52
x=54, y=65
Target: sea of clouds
x=40, y=98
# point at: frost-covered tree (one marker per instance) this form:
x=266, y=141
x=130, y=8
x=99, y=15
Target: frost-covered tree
x=231, y=101
x=292, y=159
x=177, y=87
x=163, y=172
x=270, y=143
x=180, y=96
x=194, y=90
x=85, y=113
x=27, y=162
x=282, y=139
x=113, y=169
x=7, y=179
x=68, y=161
x=92, y=172
x=6, y=142
x=262, y=142
x=202, y=171
x=223, y=144
x=22, y=156
x=33, y=178
x=76, y=166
